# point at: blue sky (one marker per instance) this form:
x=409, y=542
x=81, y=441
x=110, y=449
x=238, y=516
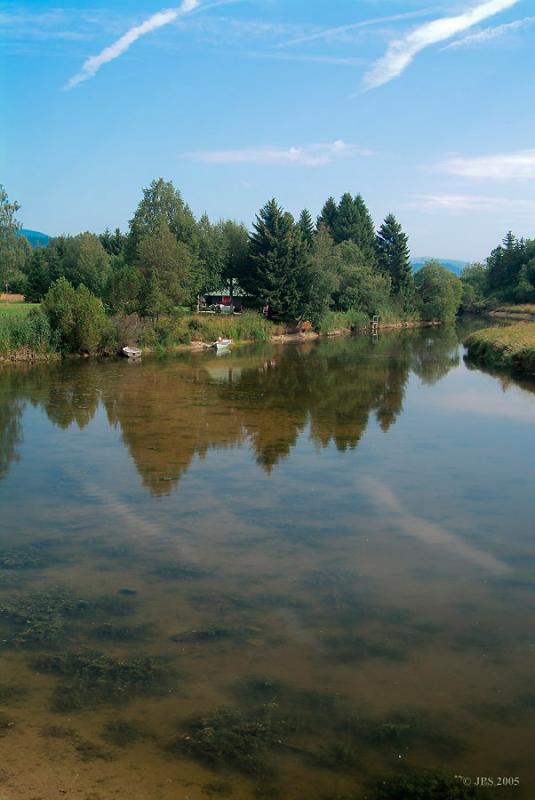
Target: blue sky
x=425, y=108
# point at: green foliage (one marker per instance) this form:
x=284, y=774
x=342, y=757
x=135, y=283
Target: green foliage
x=77, y=318
x=165, y=262
x=85, y=261
x=365, y=237
x=354, y=223
x=393, y=256
x=327, y=217
x=176, y=329
x=125, y=289
x=15, y=250
x=306, y=226
x=439, y=292
x=161, y=205
x=360, y=285
x=30, y=331
x=342, y=320
x=38, y=277
x=113, y=243
x=346, y=225
x=278, y=272
x=474, y=279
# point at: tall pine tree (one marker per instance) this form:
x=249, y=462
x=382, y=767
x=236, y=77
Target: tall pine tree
x=393, y=256
x=327, y=218
x=365, y=231
x=346, y=226
x=306, y=227
x=278, y=273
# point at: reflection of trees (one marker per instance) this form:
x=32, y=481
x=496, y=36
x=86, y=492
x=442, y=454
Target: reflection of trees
x=172, y=410
x=10, y=429
x=435, y=352
x=72, y=394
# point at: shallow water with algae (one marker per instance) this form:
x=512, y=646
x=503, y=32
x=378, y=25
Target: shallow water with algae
x=299, y=572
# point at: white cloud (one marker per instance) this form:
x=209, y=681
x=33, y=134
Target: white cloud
x=490, y=34
x=312, y=155
x=401, y=52
x=519, y=165
x=92, y=65
x=466, y=202
x=329, y=33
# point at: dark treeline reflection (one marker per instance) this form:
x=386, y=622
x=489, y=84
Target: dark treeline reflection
x=169, y=410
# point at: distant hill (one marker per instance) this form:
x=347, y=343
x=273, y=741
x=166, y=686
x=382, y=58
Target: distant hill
x=35, y=238
x=450, y=263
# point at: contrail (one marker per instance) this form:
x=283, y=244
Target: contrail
x=401, y=52
x=158, y=20
x=431, y=533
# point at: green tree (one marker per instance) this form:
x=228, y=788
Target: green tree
x=235, y=254
x=474, y=279
x=14, y=249
x=393, y=256
x=211, y=254
x=306, y=227
x=365, y=231
x=113, y=243
x=327, y=217
x=85, y=261
x=161, y=203
x=166, y=264
x=324, y=265
x=76, y=317
x=278, y=272
x=125, y=289
x=360, y=286
x=38, y=278
x=346, y=226
x=439, y=292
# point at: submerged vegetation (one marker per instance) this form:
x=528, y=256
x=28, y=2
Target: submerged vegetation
x=511, y=347
x=91, y=678
x=231, y=738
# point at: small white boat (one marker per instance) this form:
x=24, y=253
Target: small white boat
x=222, y=344
x=131, y=352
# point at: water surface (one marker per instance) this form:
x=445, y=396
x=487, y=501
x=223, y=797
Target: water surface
x=284, y=572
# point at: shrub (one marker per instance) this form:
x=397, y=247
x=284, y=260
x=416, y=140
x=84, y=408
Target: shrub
x=77, y=318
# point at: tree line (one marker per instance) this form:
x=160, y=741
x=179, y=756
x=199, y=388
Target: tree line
x=507, y=276
x=297, y=269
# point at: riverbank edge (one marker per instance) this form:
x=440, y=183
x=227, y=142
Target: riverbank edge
x=29, y=356
x=509, y=348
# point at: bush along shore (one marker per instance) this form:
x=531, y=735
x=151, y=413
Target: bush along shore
x=98, y=293
x=505, y=347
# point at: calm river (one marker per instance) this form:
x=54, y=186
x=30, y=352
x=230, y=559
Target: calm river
x=283, y=573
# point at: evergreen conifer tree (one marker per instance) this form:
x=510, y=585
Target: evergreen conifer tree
x=365, y=232
x=306, y=227
x=346, y=226
x=393, y=256
x=278, y=273
x=327, y=218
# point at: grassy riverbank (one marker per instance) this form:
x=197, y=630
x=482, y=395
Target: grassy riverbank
x=27, y=333
x=510, y=347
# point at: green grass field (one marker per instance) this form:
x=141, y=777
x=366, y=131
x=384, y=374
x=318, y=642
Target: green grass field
x=16, y=309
